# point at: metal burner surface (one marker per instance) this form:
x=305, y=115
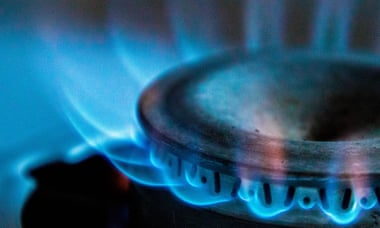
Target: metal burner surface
x=293, y=135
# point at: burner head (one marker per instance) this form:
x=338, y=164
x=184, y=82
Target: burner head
x=305, y=123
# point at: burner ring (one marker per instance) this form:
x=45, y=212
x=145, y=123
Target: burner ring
x=169, y=115
x=299, y=120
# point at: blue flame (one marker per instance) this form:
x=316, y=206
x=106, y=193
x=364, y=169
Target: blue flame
x=146, y=50
x=196, y=185
x=332, y=25
x=133, y=159
x=255, y=198
x=196, y=37
x=143, y=45
x=31, y=127
x=264, y=23
x=197, y=188
x=98, y=76
x=339, y=215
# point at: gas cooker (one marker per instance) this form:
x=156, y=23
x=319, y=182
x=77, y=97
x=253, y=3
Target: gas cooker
x=73, y=73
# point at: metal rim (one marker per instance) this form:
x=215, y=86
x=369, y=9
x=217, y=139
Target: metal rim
x=227, y=151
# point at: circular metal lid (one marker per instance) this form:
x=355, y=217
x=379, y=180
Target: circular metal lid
x=296, y=114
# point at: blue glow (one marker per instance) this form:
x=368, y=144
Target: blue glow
x=198, y=189
x=196, y=37
x=340, y=216
x=13, y=197
x=98, y=116
x=193, y=182
x=157, y=157
x=145, y=175
x=130, y=154
x=32, y=127
x=96, y=76
x=264, y=24
x=344, y=17
x=95, y=98
x=256, y=200
x=78, y=153
x=331, y=29
x=307, y=198
x=367, y=201
x=197, y=196
x=144, y=49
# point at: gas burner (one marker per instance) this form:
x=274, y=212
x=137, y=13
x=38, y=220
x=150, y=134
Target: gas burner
x=287, y=138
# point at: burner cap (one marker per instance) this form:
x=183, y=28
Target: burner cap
x=274, y=128
x=296, y=113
